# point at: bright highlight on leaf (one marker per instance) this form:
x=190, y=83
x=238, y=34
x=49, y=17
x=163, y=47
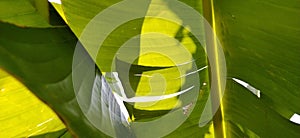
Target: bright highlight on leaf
x=248, y=86
x=55, y=1
x=295, y=118
x=22, y=114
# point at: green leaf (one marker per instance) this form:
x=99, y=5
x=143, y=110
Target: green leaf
x=261, y=41
x=32, y=13
x=22, y=114
x=185, y=37
x=122, y=34
x=57, y=134
x=41, y=58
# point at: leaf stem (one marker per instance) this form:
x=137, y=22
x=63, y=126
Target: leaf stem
x=215, y=72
